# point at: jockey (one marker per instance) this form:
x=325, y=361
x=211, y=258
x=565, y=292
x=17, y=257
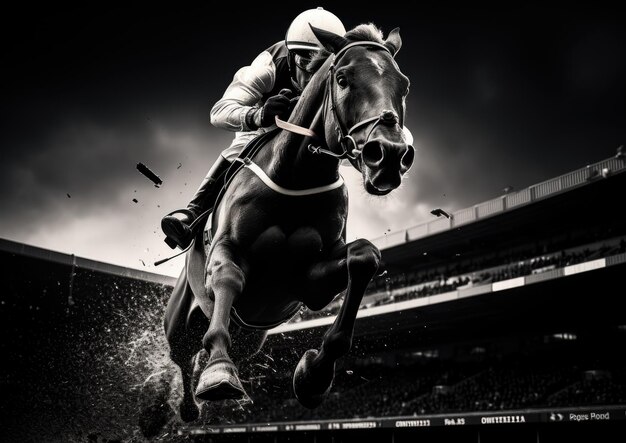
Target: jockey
x=256, y=95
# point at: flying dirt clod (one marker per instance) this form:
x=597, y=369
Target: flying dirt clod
x=148, y=173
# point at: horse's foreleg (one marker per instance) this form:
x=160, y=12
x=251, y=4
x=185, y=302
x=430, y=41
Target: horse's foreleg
x=225, y=282
x=315, y=372
x=326, y=279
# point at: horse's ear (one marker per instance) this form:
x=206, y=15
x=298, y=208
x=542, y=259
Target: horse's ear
x=394, y=42
x=330, y=41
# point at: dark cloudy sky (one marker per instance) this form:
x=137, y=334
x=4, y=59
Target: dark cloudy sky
x=498, y=98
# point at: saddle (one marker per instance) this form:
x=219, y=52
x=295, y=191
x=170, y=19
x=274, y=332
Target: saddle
x=248, y=153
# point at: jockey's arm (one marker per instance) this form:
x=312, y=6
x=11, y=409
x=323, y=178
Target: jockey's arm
x=241, y=98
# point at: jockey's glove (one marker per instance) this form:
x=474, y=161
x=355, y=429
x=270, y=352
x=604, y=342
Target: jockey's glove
x=279, y=105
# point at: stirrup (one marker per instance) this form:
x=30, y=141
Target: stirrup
x=192, y=226
x=171, y=243
x=190, y=214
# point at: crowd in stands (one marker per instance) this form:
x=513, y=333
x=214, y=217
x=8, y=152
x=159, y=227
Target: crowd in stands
x=494, y=389
x=611, y=389
x=476, y=272
x=551, y=379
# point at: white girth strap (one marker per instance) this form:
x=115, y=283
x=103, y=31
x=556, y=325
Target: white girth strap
x=291, y=192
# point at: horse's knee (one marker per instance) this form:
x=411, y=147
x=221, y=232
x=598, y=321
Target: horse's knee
x=223, y=274
x=363, y=256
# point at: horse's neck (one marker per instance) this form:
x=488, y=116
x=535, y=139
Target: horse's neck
x=292, y=165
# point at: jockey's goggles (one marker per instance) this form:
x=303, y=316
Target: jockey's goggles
x=302, y=59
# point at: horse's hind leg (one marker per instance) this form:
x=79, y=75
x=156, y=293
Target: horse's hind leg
x=183, y=329
x=314, y=374
x=225, y=282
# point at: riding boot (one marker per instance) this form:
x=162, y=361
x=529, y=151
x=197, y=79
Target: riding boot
x=177, y=229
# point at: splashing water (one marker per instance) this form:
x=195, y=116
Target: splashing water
x=100, y=370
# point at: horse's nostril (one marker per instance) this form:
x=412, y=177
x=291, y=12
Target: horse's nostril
x=373, y=153
x=408, y=157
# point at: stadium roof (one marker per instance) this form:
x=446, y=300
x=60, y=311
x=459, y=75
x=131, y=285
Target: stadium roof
x=509, y=201
x=11, y=247
x=570, y=202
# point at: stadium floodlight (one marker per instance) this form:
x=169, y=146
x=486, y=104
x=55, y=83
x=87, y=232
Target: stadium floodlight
x=439, y=212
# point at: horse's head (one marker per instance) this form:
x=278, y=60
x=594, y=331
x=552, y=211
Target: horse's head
x=366, y=98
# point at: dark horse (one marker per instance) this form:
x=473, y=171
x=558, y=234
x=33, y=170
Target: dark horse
x=279, y=230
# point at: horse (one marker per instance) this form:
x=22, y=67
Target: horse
x=278, y=230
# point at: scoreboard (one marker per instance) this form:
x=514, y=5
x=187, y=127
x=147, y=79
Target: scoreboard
x=554, y=415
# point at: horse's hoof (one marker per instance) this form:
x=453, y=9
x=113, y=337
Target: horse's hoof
x=189, y=411
x=309, y=387
x=219, y=381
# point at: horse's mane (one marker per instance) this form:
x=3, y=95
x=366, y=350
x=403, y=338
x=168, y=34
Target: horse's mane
x=364, y=32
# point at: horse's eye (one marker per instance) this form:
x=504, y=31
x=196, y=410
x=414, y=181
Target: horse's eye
x=342, y=81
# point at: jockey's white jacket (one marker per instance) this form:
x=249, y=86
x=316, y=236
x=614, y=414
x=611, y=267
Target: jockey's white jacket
x=251, y=86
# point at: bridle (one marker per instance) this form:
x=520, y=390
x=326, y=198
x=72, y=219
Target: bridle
x=350, y=149
x=349, y=146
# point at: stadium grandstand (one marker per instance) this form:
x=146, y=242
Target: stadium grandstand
x=503, y=322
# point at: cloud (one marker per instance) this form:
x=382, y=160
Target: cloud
x=371, y=216
x=94, y=163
